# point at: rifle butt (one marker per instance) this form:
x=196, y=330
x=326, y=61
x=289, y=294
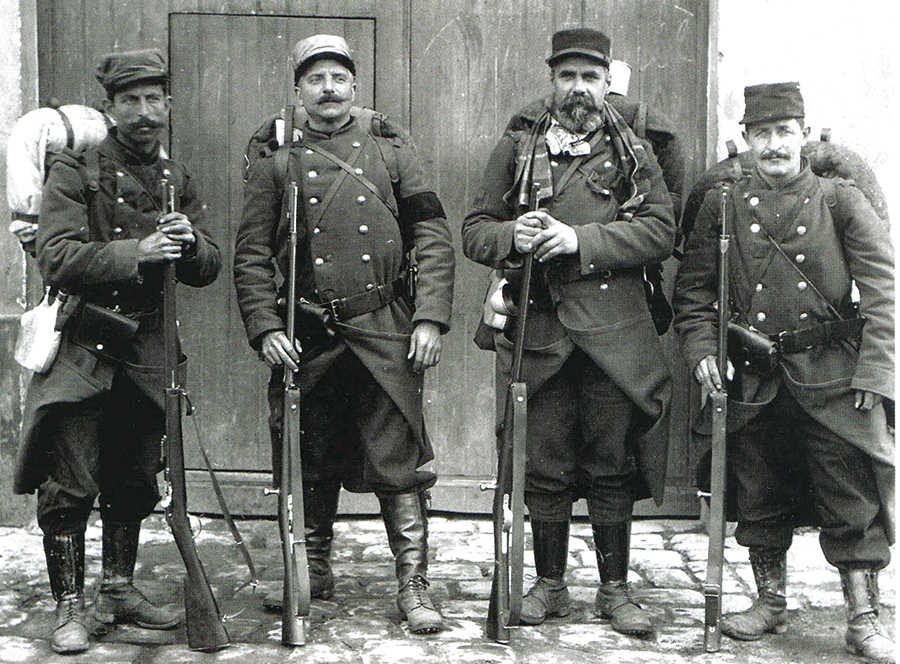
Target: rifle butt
x=495, y=627
x=205, y=630
x=712, y=634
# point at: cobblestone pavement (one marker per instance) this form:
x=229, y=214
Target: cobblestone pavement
x=362, y=625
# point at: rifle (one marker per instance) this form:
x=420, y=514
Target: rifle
x=291, y=521
x=205, y=628
x=712, y=589
x=505, y=605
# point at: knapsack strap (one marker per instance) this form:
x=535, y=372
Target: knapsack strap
x=70, y=133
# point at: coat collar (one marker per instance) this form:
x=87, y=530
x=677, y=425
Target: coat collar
x=113, y=148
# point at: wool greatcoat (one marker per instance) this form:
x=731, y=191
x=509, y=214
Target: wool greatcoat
x=598, y=301
x=833, y=247
x=87, y=245
x=356, y=244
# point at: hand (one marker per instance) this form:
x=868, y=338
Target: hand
x=707, y=373
x=158, y=247
x=526, y=227
x=178, y=227
x=276, y=350
x=425, y=346
x=555, y=238
x=865, y=401
x=23, y=230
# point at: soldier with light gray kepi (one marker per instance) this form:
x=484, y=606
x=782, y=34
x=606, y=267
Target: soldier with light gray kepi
x=808, y=437
x=364, y=338
x=599, y=388
x=93, y=424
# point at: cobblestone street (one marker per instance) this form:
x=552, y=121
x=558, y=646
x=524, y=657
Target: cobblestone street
x=362, y=623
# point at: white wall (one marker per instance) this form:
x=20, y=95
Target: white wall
x=843, y=53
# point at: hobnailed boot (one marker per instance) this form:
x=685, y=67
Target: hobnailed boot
x=407, y=530
x=119, y=601
x=549, y=596
x=65, y=567
x=864, y=635
x=320, y=503
x=769, y=612
x=614, y=602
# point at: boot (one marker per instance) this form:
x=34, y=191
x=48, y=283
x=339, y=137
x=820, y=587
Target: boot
x=65, y=567
x=769, y=611
x=864, y=635
x=119, y=601
x=407, y=530
x=549, y=596
x=613, y=543
x=320, y=503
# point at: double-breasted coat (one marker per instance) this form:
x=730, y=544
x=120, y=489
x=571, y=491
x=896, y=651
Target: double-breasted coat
x=357, y=244
x=834, y=247
x=87, y=246
x=598, y=300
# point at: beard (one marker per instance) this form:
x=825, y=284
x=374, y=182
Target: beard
x=578, y=113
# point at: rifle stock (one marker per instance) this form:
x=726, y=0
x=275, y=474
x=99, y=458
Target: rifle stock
x=205, y=628
x=712, y=589
x=505, y=605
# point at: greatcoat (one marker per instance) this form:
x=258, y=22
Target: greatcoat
x=356, y=244
x=87, y=246
x=598, y=300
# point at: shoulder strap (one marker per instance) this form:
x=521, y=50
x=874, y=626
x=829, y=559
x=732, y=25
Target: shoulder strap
x=640, y=121
x=829, y=190
x=89, y=168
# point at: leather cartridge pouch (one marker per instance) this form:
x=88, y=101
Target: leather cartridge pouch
x=751, y=350
x=104, y=331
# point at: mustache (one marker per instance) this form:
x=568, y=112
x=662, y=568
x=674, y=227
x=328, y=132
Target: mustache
x=146, y=122
x=324, y=99
x=580, y=101
x=775, y=154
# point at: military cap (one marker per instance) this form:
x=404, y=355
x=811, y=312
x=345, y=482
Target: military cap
x=580, y=41
x=772, y=101
x=312, y=48
x=117, y=71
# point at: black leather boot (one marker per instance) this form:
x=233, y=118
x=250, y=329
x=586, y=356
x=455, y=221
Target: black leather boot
x=65, y=567
x=320, y=503
x=769, y=612
x=549, y=596
x=119, y=601
x=864, y=636
x=407, y=529
x=613, y=544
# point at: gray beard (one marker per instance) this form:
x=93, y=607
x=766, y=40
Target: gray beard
x=578, y=119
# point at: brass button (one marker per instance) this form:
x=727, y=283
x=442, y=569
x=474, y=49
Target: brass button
x=320, y=261
x=802, y=286
x=370, y=286
x=800, y=258
x=313, y=200
x=804, y=316
x=120, y=200
x=761, y=316
x=358, y=171
x=166, y=172
x=115, y=293
x=363, y=229
x=313, y=174
x=607, y=164
x=604, y=286
x=360, y=199
x=801, y=230
x=754, y=228
x=366, y=258
x=754, y=201
x=591, y=267
x=356, y=144
x=317, y=230
x=308, y=151
x=117, y=229
x=554, y=164
x=120, y=174
x=759, y=288
x=99, y=346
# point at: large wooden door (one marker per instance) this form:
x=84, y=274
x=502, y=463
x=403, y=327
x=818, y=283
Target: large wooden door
x=453, y=71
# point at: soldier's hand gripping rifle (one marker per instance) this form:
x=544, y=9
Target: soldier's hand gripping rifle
x=505, y=605
x=712, y=589
x=205, y=629
x=291, y=521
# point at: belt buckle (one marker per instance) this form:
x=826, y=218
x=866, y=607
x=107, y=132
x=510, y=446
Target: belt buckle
x=333, y=305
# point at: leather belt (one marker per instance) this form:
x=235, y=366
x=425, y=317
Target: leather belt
x=833, y=330
x=345, y=308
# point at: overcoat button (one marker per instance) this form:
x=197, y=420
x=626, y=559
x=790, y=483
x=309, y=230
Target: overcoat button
x=754, y=201
x=313, y=200
x=320, y=261
x=804, y=316
x=591, y=267
x=801, y=286
x=607, y=164
x=759, y=288
x=356, y=144
x=370, y=286
x=313, y=174
x=360, y=199
x=363, y=229
x=99, y=346
x=761, y=316
x=801, y=230
x=317, y=230
x=604, y=286
x=120, y=174
x=358, y=171
x=117, y=229
x=120, y=200
x=554, y=164
x=366, y=258
x=308, y=151
x=754, y=228
x=800, y=258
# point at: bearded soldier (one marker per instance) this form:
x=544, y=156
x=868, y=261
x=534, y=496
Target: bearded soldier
x=599, y=387
x=809, y=433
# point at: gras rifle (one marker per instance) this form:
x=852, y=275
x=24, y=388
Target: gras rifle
x=712, y=589
x=205, y=628
x=291, y=518
x=505, y=607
